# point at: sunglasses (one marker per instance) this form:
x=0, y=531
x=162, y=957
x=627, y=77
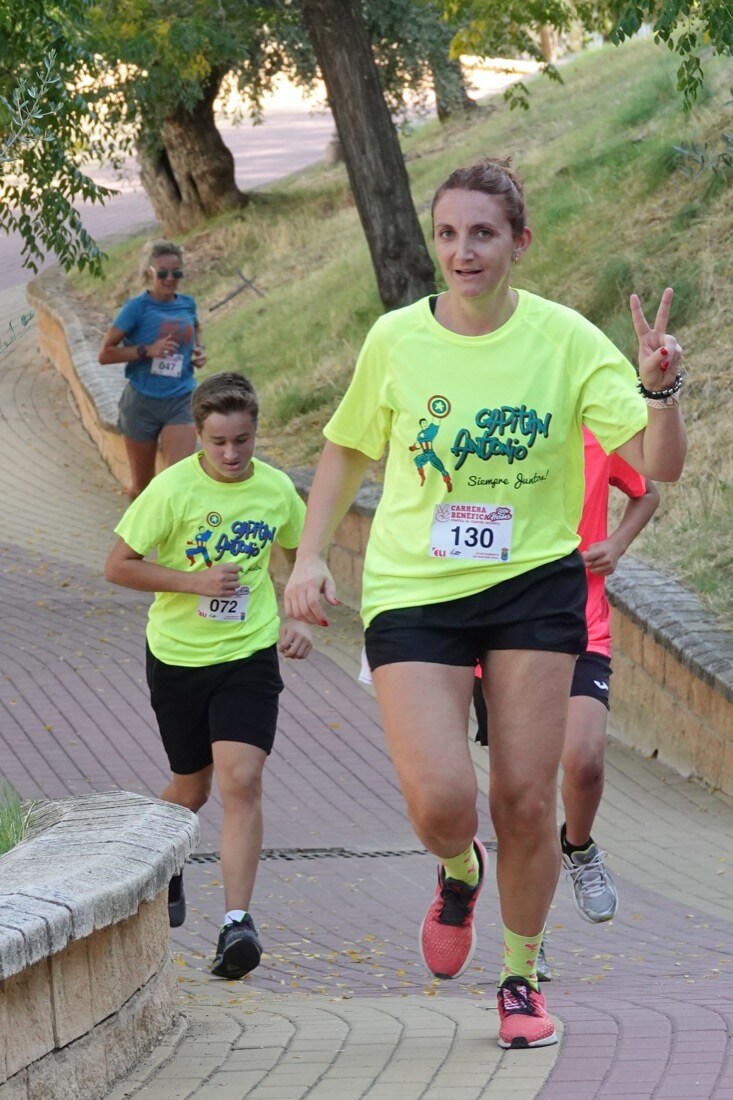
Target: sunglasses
x=163, y=274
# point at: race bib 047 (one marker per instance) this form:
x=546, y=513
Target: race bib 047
x=480, y=532
x=170, y=366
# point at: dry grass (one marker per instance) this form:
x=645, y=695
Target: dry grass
x=610, y=209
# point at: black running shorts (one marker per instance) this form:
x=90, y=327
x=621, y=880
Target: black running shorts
x=233, y=701
x=541, y=609
x=592, y=677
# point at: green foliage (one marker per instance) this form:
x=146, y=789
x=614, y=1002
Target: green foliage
x=412, y=41
x=687, y=27
x=510, y=28
x=700, y=158
x=172, y=55
x=48, y=128
x=14, y=818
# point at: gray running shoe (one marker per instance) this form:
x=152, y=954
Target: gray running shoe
x=596, y=897
x=544, y=974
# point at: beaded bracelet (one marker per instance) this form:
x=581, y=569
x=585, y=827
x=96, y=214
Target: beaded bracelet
x=660, y=395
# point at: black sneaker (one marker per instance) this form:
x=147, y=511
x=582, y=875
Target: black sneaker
x=176, y=901
x=239, y=949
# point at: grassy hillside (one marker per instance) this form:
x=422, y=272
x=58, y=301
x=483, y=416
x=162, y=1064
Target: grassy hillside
x=612, y=209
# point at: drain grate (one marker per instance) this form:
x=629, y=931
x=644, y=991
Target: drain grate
x=326, y=853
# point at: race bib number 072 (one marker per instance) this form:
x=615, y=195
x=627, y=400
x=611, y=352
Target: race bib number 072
x=478, y=532
x=225, y=609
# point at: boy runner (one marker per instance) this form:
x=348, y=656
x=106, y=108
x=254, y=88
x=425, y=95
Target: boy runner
x=214, y=632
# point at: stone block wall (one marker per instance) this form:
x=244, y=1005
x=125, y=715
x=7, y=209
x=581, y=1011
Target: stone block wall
x=86, y=982
x=672, y=688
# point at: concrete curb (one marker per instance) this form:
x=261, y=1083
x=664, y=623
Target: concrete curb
x=88, y=863
x=86, y=981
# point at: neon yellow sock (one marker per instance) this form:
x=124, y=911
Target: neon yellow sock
x=520, y=956
x=464, y=867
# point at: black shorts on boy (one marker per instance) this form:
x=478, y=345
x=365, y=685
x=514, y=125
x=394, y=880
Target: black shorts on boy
x=232, y=701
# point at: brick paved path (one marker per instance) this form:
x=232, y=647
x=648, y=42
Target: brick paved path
x=341, y=1006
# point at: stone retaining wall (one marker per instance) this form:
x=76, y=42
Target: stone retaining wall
x=96, y=388
x=86, y=982
x=673, y=663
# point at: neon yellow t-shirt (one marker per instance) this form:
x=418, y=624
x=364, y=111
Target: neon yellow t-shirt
x=484, y=477
x=196, y=523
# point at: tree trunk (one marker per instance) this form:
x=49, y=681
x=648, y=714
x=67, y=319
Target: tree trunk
x=188, y=172
x=548, y=43
x=449, y=83
x=374, y=162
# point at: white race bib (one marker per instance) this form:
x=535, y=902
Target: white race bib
x=171, y=366
x=225, y=609
x=480, y=532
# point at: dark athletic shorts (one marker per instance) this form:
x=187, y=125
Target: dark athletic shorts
x=541, y=609
x=591, y=677
x=234, y=701
x=142, y=418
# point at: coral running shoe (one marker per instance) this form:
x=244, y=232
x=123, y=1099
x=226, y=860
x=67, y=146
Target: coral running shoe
x=523, y=1017
x=447, y=935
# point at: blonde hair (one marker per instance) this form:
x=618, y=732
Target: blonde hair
x=154, y=249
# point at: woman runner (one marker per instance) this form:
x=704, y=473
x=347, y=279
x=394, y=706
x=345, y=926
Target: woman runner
x=480, y=563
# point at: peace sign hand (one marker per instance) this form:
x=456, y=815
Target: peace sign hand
x=659, y=353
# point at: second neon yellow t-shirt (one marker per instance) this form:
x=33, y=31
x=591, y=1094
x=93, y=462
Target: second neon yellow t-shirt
x=195, y=523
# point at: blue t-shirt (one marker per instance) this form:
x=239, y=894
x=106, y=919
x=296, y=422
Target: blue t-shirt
x=143, y=321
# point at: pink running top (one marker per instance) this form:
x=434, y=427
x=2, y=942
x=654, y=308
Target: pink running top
x=602, y=470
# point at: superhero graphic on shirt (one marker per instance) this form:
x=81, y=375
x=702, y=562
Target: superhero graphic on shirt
x=198, y=546
x=424, y=445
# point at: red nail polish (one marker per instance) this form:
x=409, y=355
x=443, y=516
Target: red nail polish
x=663, y=351
x=323, y=622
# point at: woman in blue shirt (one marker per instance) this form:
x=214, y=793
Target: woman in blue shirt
x=157, y=336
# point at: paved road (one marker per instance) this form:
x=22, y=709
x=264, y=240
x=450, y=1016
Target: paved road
x=341, y=1006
